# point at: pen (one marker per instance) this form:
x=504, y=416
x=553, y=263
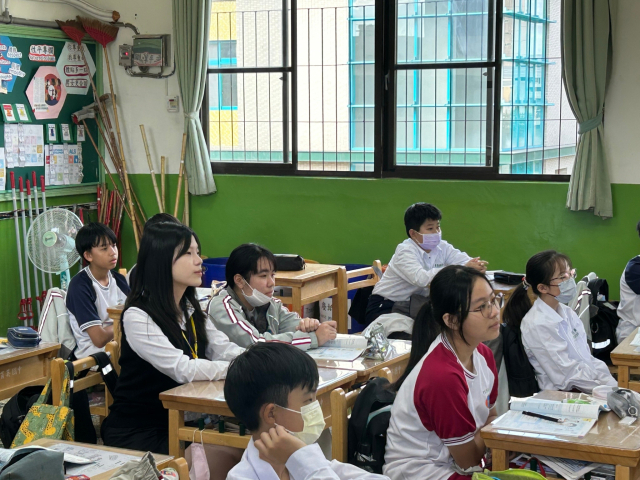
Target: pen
x=543, y=417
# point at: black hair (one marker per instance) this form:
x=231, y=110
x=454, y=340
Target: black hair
x=93, y=234
x=161, y=218
x=244, y=261
x=418, y=213
x=540, y=270
x=152, y=285
x=450, y=292
x=267, y=373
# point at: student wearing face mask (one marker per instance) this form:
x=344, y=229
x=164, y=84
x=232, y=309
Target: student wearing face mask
x=416, y=262
x=247, y=311
x=552, y=334
x=271, y=388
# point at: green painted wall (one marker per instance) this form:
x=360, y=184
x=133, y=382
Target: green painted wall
x=358, y=220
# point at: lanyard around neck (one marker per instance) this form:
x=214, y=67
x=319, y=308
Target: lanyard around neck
x=194, y=349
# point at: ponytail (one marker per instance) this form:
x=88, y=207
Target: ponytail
x=424, y=332
x=517, y=307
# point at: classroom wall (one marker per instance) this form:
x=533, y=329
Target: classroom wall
x=358, y=220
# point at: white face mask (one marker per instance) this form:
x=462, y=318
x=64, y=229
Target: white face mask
x=568, y=291
x=313, y=422
x=256, y=299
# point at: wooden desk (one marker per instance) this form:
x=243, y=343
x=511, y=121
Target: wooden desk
x=368, y=367
x=626, y=358
x=314, y=283
x=162, y=461
x=24, y=367
x=607, y=442
x=208, y=397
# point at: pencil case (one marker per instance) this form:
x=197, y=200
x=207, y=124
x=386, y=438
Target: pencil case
x=508, y=278
x=289, y=263
x=23, y=337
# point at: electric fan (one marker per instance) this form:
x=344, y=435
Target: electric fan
x=51, y=242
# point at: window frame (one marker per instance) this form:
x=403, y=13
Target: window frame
x=384, y=145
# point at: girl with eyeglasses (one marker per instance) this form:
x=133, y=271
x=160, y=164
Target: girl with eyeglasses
x=448, y=391
x=552, y=334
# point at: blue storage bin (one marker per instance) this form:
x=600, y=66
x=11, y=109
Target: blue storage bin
x=215, y=270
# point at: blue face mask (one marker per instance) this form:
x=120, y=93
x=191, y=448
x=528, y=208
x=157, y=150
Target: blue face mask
x=568, y=291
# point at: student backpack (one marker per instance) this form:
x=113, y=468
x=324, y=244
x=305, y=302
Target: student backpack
x=520, y=373
x=367, y=430
x=604, y=321
x=14, y=412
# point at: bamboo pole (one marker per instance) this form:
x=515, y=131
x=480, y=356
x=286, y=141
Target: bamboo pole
x=185, y=211
x=163, y=183
x=151, y=172
x=182, y=155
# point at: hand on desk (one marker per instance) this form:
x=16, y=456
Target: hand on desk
x=480, y=265
x=326, y=331
x=277, y=445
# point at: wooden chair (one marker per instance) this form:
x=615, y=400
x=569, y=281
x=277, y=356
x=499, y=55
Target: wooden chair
x=370, y=272
x=91, y=379
x=180, y=465
x=341, y=404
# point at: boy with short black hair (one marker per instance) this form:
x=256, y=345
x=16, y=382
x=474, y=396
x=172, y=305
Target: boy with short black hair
x=629, y=307
x=271, y=388
x=94, y=289
x=415, y=262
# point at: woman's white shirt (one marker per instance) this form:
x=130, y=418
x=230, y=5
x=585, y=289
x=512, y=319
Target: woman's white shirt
x=148, y=341
x=557, y=347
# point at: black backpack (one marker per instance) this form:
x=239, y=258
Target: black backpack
x=603, y=321
x=520, y=374
x=367, y=431
x=15, y=410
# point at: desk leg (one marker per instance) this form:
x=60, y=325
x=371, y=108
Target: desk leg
x=626, y=473
x=296, y=300
x=623, y=376
x=340, y=305
x=176, y=421
x=500, y=460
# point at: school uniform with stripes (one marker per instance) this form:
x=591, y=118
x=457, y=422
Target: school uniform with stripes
x=272, y=322
x=439, y=405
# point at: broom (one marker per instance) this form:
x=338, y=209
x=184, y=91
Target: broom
x=104, y=34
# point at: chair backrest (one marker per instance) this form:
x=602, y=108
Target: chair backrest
x=370, y=272
x=180, y=465
x=90, y=380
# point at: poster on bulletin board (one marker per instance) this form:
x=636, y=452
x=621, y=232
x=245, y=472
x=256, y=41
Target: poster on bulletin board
x=43, y=81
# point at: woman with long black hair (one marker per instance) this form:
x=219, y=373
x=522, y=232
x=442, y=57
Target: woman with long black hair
x=449, y=388
x=166, y=339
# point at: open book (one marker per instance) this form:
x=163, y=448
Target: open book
x=573, y=420
x=344, y=347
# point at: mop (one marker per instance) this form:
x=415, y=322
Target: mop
x=44, y=208
x=22, y=316
x=26, y=255
x=35, y=269
x=43, y=294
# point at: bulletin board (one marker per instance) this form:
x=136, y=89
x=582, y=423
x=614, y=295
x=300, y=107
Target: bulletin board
x=22, y=38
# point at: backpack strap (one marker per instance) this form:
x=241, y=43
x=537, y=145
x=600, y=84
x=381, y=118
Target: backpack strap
x=108, y=373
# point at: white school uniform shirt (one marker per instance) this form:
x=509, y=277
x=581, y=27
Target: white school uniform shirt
x=411, y=269
x=629, y=308
x=440, y=404
x=308, y=463
x=556, y=344
x=148, y=341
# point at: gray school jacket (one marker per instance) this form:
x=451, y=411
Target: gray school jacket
x=229, y=316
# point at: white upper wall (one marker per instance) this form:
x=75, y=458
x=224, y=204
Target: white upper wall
x=142, y=101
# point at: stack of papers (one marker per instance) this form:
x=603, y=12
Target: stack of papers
x=569, y=469
x=574, y=420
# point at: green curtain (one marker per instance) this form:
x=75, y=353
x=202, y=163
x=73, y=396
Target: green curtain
x=191, y=20
x=586, y=52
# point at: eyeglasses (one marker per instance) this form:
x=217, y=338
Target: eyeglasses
x=566, y=275
x=486, y=309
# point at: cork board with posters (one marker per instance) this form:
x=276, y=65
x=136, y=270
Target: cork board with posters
x=42, y=72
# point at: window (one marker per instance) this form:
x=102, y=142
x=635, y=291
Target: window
x=444, y=92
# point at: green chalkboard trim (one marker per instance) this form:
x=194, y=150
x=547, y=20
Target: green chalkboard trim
x=37, y=33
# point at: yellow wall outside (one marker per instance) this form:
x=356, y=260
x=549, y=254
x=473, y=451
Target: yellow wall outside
x=223, y=21
x=223, y=128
